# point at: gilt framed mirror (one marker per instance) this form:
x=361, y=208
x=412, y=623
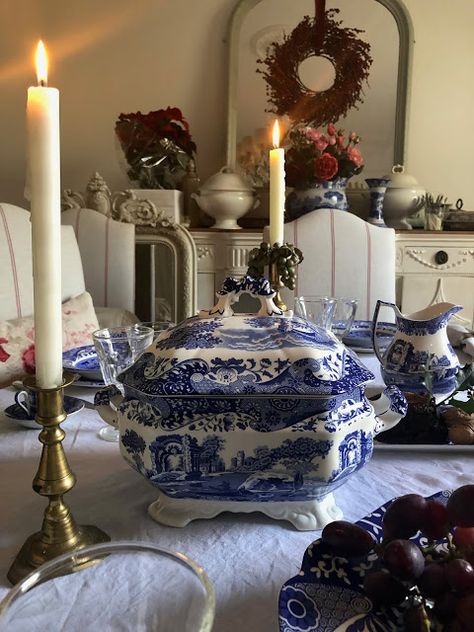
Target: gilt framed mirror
x=380, y=117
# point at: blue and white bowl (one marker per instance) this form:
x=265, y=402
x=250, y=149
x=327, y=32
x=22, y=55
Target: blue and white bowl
x=262, y=412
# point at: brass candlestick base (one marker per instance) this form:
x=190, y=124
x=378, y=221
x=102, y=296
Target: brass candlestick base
x=276, y=284
x=59, y=533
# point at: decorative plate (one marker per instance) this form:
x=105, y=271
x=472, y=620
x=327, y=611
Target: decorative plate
x=84, y=382
x=360, y=336
x=327, y=593
x=84, y=361
x=15, y=411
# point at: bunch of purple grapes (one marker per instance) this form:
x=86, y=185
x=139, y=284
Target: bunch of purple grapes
x=433, y=584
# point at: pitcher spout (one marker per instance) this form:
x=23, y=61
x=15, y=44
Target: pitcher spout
x=442, y=311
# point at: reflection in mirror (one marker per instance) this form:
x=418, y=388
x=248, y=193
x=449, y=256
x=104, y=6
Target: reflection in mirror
x=380, y=117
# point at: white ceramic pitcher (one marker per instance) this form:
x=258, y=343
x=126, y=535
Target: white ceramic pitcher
x=420, y=357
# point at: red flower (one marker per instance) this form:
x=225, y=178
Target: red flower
x=28, y=359
x=325, y=166
x=3, y=354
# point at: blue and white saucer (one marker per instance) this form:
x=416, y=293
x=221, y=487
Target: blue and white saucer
x=360, y=336
x=327, y=593
x=16, y=412
x=84, y=361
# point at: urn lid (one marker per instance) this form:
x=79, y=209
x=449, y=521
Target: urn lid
x=246, y=355
x=401, y=180
x=226, y=179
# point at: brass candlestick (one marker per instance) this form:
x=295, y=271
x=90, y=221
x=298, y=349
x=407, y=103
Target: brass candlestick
x=59, y=533
x=276, y=284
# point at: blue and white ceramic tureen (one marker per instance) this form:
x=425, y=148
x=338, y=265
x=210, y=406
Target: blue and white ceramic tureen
x=263, y=412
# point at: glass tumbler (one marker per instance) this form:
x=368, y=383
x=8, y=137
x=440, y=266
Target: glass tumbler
x=344, y=315
x=117, y=349
x=127, y=586
x=317, y=309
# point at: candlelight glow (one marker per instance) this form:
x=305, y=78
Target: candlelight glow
x=276, y=134
x=41, y=64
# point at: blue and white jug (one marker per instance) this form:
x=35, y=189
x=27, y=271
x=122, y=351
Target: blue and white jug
x=420, y=357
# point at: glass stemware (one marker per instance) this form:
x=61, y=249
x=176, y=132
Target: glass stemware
x=317, y=309
x=129, y=586
x=117, y=349
x=344, y=315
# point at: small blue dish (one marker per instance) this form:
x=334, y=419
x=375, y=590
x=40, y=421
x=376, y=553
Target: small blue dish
x=360, y=336
x=17, y=413
x=327, y=594
x=84, y=361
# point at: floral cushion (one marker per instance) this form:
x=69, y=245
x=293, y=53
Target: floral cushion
x=17, y=349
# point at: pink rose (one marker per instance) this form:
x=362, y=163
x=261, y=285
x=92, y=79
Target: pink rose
x=28, y=359
x=321, y=143
x=354, y=154
x=353, y=137
x=326, y=166
x=331, y=130
x=332, y=140
x=3, y=354
x=312, y=134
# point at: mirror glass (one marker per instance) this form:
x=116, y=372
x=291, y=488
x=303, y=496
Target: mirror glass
x=262, y=22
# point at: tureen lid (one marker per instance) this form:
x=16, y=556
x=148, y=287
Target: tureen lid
x=401, y=180
x=268, y=353
x=225, y=180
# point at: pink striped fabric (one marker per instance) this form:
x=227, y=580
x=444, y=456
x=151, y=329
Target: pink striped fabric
x=12, y=261
x=333, y=255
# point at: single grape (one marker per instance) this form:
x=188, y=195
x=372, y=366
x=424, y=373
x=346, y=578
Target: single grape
x=383, y=589
x=404, y=517
x=404, y=559
x=463, y=538
x=347, y=539
x=435, y=523
x=461, y=506
x=432, y=582
x=460, y=575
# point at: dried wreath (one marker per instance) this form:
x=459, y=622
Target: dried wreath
x=324, y=37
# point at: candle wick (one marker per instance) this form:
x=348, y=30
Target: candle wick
x=42, y=83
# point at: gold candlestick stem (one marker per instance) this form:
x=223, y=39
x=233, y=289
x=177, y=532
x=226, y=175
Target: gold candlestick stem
x=276, y=284
x=59, y=532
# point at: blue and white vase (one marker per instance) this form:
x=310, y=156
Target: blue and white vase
x=377, y=189
x=323, y=194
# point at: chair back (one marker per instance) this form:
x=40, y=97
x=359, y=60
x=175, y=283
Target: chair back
x=107, y=250
x=344, y=256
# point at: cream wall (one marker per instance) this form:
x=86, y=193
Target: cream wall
x=118, y=56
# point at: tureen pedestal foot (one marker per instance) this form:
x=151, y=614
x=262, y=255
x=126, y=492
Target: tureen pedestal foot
x=304, y=515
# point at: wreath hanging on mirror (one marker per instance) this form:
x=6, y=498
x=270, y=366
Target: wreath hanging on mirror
x=321, y=36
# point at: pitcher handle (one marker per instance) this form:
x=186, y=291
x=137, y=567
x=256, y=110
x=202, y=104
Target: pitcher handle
x=389, y=408
x=106, y=402
x=375, y=317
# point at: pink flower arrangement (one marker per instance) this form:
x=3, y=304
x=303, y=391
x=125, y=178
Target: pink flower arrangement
x=313, y=155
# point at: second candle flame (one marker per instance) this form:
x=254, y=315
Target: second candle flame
x=276, y=134
x=41, y=64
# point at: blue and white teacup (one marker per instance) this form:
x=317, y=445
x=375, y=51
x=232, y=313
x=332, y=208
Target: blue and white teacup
x=27, y=399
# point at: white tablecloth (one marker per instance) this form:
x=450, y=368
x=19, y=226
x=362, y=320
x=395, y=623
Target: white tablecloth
x=247, y=557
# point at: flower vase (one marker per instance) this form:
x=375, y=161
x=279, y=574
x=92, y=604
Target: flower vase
x=377, y=188
x=322, y=194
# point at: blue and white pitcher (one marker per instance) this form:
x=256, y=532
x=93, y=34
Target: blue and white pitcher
x=420, y=357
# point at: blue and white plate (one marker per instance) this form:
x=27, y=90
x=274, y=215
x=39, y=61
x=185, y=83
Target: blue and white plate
x=327, y=593
x=360, y=336
x=84, y=361
x=15, y=411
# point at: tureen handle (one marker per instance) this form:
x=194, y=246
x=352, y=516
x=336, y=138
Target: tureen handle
x=233, y=288
x=106, y=402
x=389, y=408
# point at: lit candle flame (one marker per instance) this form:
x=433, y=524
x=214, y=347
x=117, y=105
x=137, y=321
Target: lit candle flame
x=41, y=64
x=276, y=134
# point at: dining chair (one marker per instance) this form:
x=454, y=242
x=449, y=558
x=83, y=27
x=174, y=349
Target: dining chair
x=107, y=250
x=344, y=256
x=16, y=263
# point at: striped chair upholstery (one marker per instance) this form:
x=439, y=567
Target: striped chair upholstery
x=16, y=277
x=344, y=256
x=108, y=257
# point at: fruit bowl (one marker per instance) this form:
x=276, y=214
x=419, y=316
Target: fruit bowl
x=327, y=594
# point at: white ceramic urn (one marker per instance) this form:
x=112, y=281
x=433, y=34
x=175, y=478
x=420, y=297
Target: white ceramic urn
x=403, y=197
x=226, y=197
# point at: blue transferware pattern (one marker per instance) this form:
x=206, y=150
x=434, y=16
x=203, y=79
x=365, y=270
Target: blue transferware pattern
x=324, y=194
x=420, y=357
x=83, y=360
x=377, y=188
x=360, y=335
x=327, y=594
x=15, y=411
x=243, y=408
